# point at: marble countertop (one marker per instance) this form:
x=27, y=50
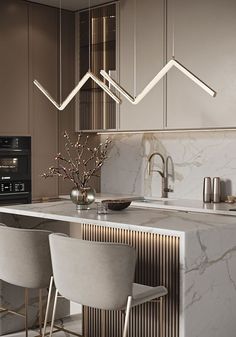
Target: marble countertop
x=165, y=222
x=189, y=206
x=172, y=204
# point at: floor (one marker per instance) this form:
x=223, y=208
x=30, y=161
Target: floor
x=73, y=323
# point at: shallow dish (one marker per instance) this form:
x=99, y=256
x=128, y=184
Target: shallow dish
x=117, y=205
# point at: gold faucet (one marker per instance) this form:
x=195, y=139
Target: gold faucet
x=163, y=173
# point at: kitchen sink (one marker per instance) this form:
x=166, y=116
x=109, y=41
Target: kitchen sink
x=153, y=202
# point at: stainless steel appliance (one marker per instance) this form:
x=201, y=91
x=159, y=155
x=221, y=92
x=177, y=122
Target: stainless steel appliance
x=15, y=170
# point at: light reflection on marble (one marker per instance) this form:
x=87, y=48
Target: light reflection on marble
x=195, y=155
x=166, y=222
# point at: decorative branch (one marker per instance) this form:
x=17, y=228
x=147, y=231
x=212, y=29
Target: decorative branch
x=83, y=164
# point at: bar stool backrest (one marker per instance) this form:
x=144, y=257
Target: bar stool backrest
x=94, y=274
x=25, y=257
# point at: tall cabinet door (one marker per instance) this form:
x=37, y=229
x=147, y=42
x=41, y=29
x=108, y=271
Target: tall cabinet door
x=147, y=35
x=96, y=49
x=14, y=112
x=205, y=43
x=43, y=50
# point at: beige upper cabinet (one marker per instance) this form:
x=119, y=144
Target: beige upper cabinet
x=114, y=35
x=95, y=50
x=14, y=112
x=149, y=40
x=205, y=42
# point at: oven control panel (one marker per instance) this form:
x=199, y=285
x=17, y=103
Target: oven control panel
x=19, y=187
x=6, y=187
x=12, y=187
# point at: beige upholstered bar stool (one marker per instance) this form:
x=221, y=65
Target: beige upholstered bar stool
x=99, y=275
x=25, y=261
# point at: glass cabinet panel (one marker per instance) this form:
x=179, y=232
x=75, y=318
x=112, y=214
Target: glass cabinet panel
x=96, y=33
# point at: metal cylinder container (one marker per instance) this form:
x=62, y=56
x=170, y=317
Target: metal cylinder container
x=207, y=190
x=216, y=189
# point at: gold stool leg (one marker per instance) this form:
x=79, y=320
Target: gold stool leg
x=53, y=313
x=26, y=311
x=48, y=305
x=127, y=313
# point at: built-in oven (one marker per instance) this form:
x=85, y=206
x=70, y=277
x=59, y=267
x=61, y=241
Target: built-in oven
x=15, y=170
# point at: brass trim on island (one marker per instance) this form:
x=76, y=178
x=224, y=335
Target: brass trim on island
x=157, y=264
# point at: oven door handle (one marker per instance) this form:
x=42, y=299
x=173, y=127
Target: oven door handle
x=11, y=150
x=21, y=193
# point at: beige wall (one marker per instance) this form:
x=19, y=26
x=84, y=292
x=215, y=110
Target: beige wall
x=29, y=35
x=29, y=43
x=66, y=117
x=43, y=58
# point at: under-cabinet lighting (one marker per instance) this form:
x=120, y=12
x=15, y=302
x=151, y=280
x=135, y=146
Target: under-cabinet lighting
x=156, y=79
x=165, y=131
x=84, y=79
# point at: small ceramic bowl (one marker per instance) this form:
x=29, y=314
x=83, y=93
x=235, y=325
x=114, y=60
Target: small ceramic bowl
x=117, y=205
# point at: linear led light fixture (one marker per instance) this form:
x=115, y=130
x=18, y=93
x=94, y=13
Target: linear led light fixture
x=83, y=80
x=156, y=79
x=115, y=133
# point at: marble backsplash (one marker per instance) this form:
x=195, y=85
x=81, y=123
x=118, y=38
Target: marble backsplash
x=194, y=154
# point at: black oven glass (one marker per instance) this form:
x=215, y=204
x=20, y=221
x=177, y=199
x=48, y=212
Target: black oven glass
x=16, y=166
x=8, y=165
x=15, y=170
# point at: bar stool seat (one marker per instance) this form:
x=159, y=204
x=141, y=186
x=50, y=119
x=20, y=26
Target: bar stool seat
x=25, y=261
x=99, y=275
x=142, y=293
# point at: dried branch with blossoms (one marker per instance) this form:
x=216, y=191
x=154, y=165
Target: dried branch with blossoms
x=81, y=161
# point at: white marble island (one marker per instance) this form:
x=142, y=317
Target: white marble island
x=194, y=255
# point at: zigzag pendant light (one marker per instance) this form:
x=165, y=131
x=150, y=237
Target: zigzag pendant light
x=156, y=79
x=172, y=63
x=83, y=80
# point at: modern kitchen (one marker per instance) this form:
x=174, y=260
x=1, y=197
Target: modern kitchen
x=117, y=168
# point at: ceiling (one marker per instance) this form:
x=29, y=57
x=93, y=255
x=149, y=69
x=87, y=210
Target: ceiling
x=72, y=5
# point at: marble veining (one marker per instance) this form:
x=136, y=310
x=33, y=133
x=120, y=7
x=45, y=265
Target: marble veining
x=207, y=255
x=210, y=283
x=157, y=220
x=195, y=155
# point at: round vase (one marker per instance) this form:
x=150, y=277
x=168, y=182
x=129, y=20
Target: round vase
x=82, y=197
